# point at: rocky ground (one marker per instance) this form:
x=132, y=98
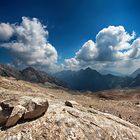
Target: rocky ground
x=83, y=116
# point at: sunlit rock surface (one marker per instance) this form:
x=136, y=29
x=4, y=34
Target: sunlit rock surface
x=61, y=122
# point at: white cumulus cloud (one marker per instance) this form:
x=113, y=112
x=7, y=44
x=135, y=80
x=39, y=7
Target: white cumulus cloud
x=6, y=31
x=30, y=46
x=113, y=49
x=87, y=52
x=113, y=46
x=112, y=40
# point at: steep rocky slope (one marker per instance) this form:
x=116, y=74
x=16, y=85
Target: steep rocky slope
x=6, y=70
x=29, y=74
x=62, y=121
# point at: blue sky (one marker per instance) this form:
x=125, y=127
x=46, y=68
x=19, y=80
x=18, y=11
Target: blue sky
x=71, y=23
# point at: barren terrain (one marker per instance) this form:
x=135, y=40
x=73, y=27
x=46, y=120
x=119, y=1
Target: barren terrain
x=125, y=104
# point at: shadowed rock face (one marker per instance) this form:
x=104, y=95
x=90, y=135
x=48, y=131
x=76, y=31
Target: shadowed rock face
x=17, y=112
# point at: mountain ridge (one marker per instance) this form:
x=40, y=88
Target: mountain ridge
x=29, y=74
x=79, y=79
x=83, y=80
x=135, y=73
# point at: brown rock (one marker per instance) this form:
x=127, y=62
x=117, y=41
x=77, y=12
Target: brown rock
x=70, y=103
x=27, y=107
x=16, y=114
x=35, y=107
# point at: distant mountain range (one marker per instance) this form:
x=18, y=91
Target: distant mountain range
x=135, y=73
x=7, y=70
x=29, y=74
x=105, y=72
x=92, y=80
x=84, y=79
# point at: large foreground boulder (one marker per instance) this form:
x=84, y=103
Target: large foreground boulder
x=24, y=108
x=35, y=107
